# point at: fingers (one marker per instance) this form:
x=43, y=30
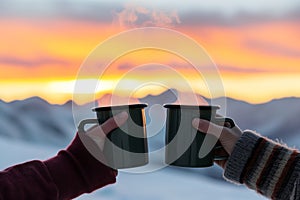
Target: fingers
x=114, y=122
x=219, y=132
x=97, y=133
x=207, y=127
x=109, y=125
x=221, y=152
x=221, y=163
x=227, y=136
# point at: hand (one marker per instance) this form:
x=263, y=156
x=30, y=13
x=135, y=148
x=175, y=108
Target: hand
x=227, y=136
x=98, y=133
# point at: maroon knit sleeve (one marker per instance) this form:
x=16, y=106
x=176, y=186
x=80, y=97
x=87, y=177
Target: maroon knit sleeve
x=75, y=171
x=70, y=173
x=30, y=180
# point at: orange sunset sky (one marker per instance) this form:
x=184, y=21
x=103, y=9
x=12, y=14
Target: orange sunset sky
x=255, y=46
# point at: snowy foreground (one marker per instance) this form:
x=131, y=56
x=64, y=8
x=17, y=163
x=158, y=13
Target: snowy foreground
x=163, y=184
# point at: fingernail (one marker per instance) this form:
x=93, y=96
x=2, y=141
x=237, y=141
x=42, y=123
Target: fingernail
x=196, y=122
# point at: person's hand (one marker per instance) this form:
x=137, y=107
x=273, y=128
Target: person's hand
x=227, y=136
x=98, y=133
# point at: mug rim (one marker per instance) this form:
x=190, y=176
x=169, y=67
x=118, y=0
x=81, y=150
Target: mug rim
x=183, y=106
x=120, y=107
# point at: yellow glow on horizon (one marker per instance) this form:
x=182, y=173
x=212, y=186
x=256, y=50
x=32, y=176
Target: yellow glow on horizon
x=269, y=86
x=68, y=87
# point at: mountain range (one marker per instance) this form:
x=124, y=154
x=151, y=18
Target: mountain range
x=35, y=120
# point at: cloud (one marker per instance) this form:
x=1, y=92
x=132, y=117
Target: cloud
x=59, y=9
x=133, y=16
x=156, y=67
x=155, y=12
x=217, y=18
x=237, y=69
x=125, y=66
x=272, y=49
x=31, y=63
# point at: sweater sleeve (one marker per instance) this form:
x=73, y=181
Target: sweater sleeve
x=30, y=180
x=270, y=168
x=70, y=173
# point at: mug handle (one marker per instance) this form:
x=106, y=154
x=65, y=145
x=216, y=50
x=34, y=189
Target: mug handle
x=221, y=121
x=85, y=122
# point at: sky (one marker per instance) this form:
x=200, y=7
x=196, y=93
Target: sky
x=255, y=46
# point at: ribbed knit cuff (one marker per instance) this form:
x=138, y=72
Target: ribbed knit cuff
x=239, y=156
x=270, y=168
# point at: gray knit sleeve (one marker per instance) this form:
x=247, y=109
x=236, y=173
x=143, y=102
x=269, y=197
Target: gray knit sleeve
x=270, y=168
x=239, y=156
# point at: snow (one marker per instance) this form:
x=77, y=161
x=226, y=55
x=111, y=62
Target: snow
x=15, y=152
x=169, y=184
